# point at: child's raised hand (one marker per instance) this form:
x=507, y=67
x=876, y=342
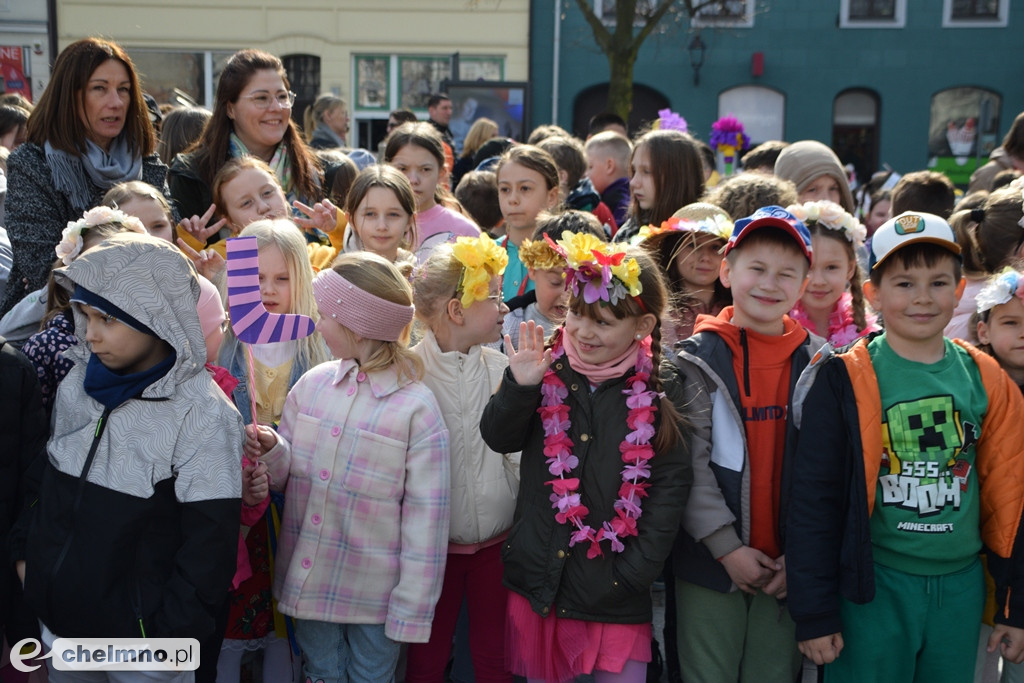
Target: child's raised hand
x=530, y=361
x=323, y=215
x=749, y=568
x=209, y=263
x=1009, y=640
x=258, y=441
x=823, y=650
x=255, y=483
x=197, y=225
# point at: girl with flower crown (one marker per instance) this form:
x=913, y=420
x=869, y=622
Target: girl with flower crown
x=999, y=325
x=45, y=348
x=604, y=472
x=688, y=247
x=833, y=304
x=457, y=294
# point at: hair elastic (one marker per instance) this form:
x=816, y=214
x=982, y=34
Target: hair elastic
x=364, y=313
x=977, y=215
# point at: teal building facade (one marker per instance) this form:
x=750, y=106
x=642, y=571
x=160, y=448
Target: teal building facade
x=911, y=84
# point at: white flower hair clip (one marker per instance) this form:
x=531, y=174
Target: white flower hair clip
x=73, y=236
x=833, y=217
x=1000, y=288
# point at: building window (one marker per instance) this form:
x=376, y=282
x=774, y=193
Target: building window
x=975, y=13
x=181, y=78
x=761, y=110
x=385, y=82
x=733, y=13
x=304, y=77
x=605, y=11
x=855, y=133
x=371, y=83
x=872, y=13
x=963, y=130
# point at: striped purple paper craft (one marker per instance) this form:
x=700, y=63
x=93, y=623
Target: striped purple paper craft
x=250, y=321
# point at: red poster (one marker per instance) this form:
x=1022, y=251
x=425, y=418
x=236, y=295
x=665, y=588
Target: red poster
x=12, y=71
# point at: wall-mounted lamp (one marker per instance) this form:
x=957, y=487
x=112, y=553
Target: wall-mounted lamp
x=696, y=49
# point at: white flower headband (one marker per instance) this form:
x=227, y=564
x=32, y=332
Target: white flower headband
x=73, y=237
x=833, y=217
x=1000, y=288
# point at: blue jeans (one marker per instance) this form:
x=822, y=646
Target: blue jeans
x=343, y=653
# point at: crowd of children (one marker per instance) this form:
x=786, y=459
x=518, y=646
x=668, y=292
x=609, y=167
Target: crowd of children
x=804, y=420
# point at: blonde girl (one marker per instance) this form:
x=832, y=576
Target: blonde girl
x=457, y=293
x=666, y=172
x=142, y=200
x=991, y=238
x=527, y=190
x=599, y=448
x=326, y=122
x=482, y=130
x=417, y=150
x=285, y=278
x=381, y=211
x=833, y=304
x=362, y=456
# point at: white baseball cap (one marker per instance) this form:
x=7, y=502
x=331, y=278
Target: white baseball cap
x=908, y=228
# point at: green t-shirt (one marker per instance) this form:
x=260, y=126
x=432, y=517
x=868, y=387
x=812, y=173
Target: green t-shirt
x=926, y=518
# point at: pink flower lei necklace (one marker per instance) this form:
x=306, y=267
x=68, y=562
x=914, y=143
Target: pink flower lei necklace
x=842, y=330
x=636, y=453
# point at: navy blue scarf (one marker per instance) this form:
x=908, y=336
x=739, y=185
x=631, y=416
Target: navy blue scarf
x=112, y=389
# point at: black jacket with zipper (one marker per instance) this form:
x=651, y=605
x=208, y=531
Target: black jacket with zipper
x=539, y=564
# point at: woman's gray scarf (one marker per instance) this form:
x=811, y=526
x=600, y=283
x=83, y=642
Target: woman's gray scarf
x=104, y=169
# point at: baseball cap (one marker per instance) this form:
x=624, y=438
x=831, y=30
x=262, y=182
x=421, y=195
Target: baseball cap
x=908, y=228
x=771, y=217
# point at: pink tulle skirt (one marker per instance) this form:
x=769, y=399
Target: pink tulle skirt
x=557, y=650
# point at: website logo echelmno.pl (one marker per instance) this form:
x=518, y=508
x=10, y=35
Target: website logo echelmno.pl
x=109, y=654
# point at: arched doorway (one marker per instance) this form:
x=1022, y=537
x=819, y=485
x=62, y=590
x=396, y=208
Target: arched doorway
x=855, y=130
x=304, y=76
x=594, y=100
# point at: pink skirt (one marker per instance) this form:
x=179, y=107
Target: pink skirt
x=558, y=650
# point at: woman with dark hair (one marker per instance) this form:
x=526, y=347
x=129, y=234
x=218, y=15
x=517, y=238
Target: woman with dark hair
x=89, y=131
x=251, y=117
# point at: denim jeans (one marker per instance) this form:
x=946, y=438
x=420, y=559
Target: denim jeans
x=346, y=653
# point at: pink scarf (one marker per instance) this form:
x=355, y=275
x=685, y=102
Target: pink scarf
x=596, y=374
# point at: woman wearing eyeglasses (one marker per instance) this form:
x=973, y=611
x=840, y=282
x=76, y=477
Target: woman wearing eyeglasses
x=251, y=116
x=89, y=131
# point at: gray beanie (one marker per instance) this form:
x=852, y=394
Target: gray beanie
x=805, y=161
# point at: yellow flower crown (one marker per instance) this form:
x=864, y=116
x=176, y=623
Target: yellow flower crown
x=481, y=260
x=597, y=271
x=540, y=255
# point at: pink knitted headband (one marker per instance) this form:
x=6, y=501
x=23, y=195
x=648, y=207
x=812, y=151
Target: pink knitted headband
x=367, y=315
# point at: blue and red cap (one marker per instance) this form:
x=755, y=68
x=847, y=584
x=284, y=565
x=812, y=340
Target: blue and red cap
x=771, y=217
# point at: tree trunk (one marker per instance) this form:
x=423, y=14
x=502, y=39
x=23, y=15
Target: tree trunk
x=620, y=83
